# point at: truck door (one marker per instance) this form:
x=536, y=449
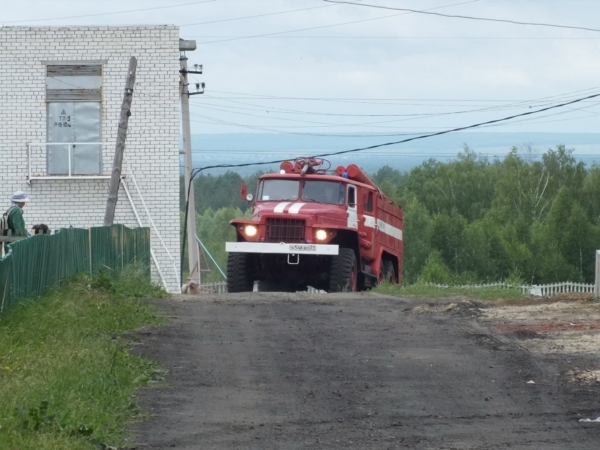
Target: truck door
x=352, y=212
x=370, y=222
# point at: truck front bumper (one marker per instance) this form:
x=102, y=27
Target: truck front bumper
x=283, y=248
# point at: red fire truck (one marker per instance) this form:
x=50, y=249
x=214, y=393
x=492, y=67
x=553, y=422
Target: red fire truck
x=333, y=230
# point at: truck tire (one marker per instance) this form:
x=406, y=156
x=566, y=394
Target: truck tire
x=239, y=272
x=343, y=273
x=388, y=273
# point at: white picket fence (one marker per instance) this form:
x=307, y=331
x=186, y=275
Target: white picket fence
x=545, y=290
x=214, y=288
x=548, y=290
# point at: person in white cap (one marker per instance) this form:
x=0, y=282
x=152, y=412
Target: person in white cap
x=16, y=223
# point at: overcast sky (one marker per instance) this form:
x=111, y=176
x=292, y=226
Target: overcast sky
x=308, y=66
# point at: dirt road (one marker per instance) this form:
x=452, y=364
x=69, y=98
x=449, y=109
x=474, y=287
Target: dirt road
x=357, y=371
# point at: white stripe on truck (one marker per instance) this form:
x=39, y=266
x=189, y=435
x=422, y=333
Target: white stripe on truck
x=383, y=227
x=295, y=208
x=280, y=207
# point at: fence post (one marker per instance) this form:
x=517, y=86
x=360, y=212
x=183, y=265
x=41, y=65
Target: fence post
x=90, y=247
x=597, y=280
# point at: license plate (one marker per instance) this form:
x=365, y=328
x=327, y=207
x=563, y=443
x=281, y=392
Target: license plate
x=302, y=248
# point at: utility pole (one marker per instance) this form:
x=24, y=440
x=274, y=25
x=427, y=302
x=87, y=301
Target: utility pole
x=115, y=180
x=193, y=252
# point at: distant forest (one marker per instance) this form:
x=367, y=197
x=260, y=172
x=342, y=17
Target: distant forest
x=468, y=220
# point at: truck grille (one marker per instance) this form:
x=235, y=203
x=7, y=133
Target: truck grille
x=285, y=230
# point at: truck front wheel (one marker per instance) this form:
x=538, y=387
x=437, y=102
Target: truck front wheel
x=343, y=273
x=239, y=272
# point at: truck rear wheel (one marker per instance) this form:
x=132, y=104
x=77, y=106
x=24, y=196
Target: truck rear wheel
x=388, y=273
x=343, y=273
x=239, y=272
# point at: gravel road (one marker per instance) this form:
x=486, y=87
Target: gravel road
x=352, y=371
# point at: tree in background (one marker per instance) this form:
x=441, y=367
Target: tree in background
x=214, y=230
x=417, y=239
x=218, y=191
x=537, y=219
x=465, y=185
x=591, y=193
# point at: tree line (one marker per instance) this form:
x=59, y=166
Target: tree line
x=526, y=217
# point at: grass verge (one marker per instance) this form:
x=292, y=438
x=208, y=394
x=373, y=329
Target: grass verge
x=67, y=379
x=430, y=291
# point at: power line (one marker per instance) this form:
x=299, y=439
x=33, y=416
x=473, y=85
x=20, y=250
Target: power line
x=252, y=17
x=456, y=16
x=435, y=154
x=213, y=121
x=195, y=172
x=324, y=26
x=273, y=129
x=379, y=123
x=520, y=123
x=411, y=116
x=379, y=99
x=277, y=110
x=316, y=124
x=445, y=38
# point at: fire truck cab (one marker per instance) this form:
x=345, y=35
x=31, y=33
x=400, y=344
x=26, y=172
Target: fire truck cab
x=333, y=230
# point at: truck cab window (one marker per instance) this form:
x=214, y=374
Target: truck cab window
x=369, y=202
x=351, y=196
x=323, y=192
x=277, y=190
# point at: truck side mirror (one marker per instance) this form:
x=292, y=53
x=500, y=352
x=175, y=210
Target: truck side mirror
x=244, y=193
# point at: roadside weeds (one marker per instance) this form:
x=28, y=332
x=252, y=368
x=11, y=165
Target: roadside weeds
x=67, y=377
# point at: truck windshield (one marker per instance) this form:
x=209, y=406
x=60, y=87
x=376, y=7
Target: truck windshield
x=273, y=190
x=324, y=192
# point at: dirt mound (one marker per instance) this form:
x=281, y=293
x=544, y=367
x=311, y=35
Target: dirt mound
x=465, y=308
x=584, y=376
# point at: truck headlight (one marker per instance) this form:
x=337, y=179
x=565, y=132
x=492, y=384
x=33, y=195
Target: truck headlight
x=250, y=230
x=321, y=235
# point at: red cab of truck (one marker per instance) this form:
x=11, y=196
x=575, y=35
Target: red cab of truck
x=333, y=230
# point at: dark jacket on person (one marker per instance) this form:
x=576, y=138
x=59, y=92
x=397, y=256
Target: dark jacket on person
x=16, y=223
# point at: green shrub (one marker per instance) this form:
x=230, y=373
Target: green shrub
x=435, y=270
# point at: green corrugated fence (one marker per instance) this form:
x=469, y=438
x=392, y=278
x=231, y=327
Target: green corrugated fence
x=38, y=262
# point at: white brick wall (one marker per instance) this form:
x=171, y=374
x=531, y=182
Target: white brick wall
x=153, y=137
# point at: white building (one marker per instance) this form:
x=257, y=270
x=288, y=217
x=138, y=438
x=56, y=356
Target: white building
x=61, y=91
